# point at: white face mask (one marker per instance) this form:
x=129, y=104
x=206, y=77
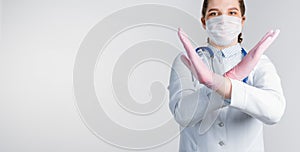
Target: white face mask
x=223, y=30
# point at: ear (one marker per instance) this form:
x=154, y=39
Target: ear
x=243, y=20
x=203, y=23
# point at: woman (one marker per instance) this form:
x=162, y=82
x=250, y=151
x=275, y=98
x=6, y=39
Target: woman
x=248, y=85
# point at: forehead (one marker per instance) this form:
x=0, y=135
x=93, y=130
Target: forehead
x=223, y=4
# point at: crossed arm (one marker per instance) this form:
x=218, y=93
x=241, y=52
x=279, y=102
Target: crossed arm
x=222, y=84
x=264, y=100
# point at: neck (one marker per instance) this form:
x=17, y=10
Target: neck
x=222, y=47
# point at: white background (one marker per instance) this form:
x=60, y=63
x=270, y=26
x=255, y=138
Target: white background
x=39, y=42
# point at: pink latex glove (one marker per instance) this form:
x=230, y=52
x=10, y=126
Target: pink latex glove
x=243, y=69
x=198, y=68
x=239, y=72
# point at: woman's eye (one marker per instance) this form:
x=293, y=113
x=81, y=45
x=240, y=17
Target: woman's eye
x=232, y=13
x=213, y=14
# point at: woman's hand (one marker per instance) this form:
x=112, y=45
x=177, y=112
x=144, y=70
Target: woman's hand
x=193, y=62
x=205, y=76
x=243, y=69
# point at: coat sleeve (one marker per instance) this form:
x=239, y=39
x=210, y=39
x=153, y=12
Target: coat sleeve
x=187, y=102
x=264, y=100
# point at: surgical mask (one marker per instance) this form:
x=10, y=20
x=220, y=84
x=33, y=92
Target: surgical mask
x=224, y=29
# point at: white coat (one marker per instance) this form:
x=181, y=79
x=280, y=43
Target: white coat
x=239, y=126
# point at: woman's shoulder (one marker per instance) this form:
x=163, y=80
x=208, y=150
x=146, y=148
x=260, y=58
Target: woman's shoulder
x=177, y=60
x=264, y=65
x=264, y=61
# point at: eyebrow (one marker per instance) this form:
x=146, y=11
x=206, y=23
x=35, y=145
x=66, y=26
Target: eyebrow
x=212, y=9
x=215, y=9
x=233, y=8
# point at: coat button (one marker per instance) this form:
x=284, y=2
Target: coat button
x=221, y=124
x=221, y=143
